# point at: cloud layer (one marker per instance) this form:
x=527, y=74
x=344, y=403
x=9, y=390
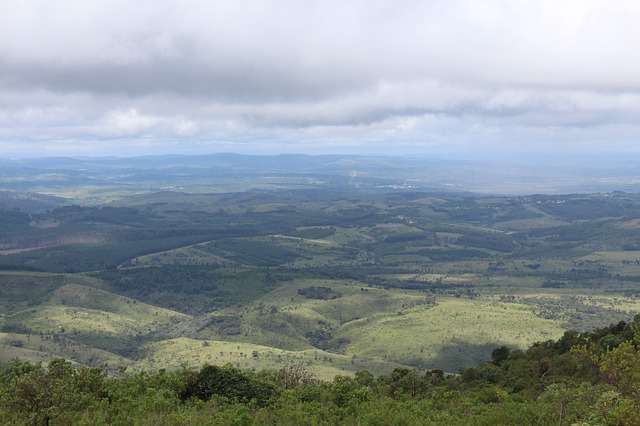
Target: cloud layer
x=404, y=76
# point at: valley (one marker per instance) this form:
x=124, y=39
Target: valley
x=341, y=279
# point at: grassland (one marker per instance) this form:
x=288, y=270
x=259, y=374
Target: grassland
x=193, y=353
x=454, y=333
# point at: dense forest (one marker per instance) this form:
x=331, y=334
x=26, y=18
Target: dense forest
x=590, y=378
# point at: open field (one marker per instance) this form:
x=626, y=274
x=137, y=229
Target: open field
x=454, y=333
x=193, y=353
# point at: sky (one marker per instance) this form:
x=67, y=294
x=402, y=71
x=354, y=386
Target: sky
x=397, y=77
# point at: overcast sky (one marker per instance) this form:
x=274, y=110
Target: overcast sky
x=115, y=77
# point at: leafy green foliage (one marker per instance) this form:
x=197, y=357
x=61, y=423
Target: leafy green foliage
x=575, y=380
x=228, y=382
x=39, y=396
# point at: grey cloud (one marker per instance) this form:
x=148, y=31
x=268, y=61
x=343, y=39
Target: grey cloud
x=224, y=83
x=253, y=71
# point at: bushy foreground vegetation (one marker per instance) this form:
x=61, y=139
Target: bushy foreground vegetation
x=583, y=378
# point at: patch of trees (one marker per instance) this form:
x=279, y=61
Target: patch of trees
x=358, y=216
x=10, y=219
x=573, y=311
x=581, y=378
x=70, y=258
x=426, y=238
x=189, y=289
x=169, y=287
x=319, y=338
x=453, y=255
x=18, y=328
x=582, y=231
x=19, y=291
x=514, y=211
x=226, y=325
x=126, y=346
x=315, y=233
x=228, y=382
x=588, y=207
x=488, y=240
x=251, y=252
x=319, y=293
x=205, y=234
x=39, y=240
x=554, y=284
x=466, y=209
x=28, y=202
